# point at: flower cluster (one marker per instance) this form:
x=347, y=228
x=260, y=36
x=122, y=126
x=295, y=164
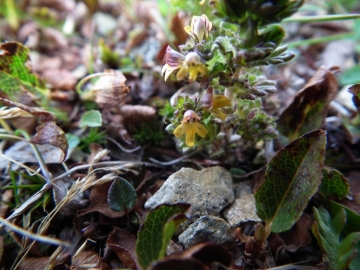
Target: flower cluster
x=224, y=61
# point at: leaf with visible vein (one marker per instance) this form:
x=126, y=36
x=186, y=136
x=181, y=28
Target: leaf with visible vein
x=15, y=74
x=334, y=184
x=157, y=230
x=291, y=179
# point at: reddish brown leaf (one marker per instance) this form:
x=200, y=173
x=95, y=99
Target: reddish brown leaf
x=89, y=258
x=98, y=202
x=137, y=114
x=201, y=256
x=298, y=236
x=123, y=243
x=50, y=133
x=42, y=262
x=309, y=108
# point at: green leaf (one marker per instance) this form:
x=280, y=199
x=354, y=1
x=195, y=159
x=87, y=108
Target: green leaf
x=309, y=107
x=350, y=76
x=157, y=230
x=73, y=140
x=327, y=233
x=14, y=70
x=91, y=118
x=334, y=184
x=351, y=225
x=121, y=195
x=291, y=179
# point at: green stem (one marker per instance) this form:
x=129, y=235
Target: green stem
x=6, y=126
x=39, y=158
x=11, y=14
x=320, y=40
x=325, y=18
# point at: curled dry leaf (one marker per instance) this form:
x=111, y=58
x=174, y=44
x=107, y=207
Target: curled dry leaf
x=123, y=243
x=110, y=89
x=308, y=110
x=50, y=133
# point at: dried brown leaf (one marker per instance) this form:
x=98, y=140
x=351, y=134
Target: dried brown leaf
x=123, y=243
x=50, y=133
x=137, y=114
x=42, y=262
x=201, y=256
x=309, y=108
x=89, y=259
x=99, y=203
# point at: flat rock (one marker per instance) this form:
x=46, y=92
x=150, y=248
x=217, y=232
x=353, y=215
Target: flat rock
x=207, y=229
x=208, y=191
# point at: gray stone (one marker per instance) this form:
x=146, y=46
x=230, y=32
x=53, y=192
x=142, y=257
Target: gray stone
x=242, y=210
x=207, y=229
x=208, y=191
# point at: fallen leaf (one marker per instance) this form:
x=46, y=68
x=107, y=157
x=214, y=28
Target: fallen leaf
x=201, y=256
x=308, y=110
x=137, y=114
x=50, y=133
x=42, y=262
x=123, y=243
x=99, y=203
x=89, y=259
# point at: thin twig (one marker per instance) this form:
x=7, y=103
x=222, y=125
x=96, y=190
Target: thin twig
x=172, y=162
x=122, y=148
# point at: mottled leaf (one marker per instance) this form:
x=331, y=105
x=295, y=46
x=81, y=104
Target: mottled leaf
x=15, y=71
x=310, y=105
x=291, y=179
x=91, y=118
x=334, y=184
x=339, y=253
x=157, y=230
x=50, y=133
x=121, y=195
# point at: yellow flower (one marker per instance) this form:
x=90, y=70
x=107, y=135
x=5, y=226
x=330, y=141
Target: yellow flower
x=199, y=28
x=190, y=126
x=192, y=65
x=213, y=104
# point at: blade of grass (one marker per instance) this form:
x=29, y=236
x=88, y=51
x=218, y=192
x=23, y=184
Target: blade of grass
x=325, y=18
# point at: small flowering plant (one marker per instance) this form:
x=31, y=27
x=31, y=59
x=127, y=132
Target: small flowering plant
x=223, y=61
